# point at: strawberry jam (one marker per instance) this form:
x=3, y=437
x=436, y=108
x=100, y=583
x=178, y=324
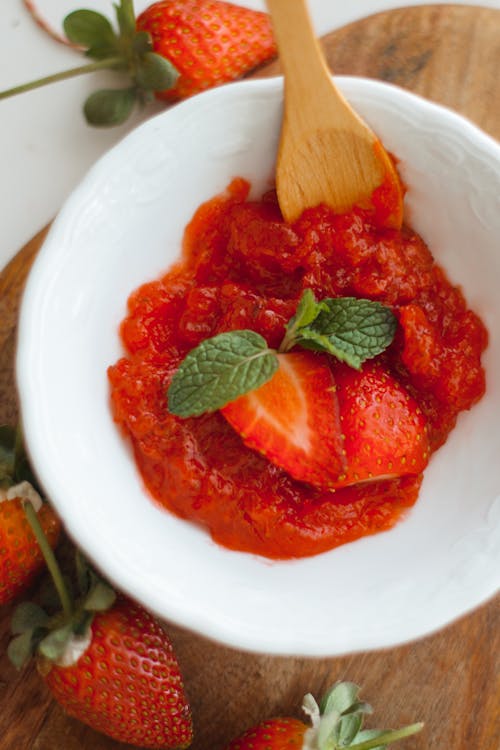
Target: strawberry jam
x=243, y=267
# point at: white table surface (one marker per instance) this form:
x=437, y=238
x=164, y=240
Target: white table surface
x=45, y=145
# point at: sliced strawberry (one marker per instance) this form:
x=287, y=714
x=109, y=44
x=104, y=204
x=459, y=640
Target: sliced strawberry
x=385, y=433
x=293, y=419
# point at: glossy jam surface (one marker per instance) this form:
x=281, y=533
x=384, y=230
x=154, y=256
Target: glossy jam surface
x=242, y=267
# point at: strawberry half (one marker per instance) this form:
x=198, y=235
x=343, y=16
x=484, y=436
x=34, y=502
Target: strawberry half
x=293, y=419
x=208, y=41
x=385, y=433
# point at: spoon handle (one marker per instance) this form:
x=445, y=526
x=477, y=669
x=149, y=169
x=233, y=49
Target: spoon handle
x=300, y=53
x=309, y=88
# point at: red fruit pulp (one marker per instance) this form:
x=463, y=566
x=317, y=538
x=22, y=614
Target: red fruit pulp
x=243, y=267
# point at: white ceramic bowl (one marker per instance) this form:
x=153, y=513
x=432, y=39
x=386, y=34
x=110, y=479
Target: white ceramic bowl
x=122, y=226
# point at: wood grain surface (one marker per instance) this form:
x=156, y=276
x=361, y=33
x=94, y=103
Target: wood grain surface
x=450, y=680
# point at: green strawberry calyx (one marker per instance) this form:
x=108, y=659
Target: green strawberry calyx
x=338, y=722
x=22, y=491
x=58, y=637
x=17, y=481
x=233, y=363
x=15, y=469
x=123, y=50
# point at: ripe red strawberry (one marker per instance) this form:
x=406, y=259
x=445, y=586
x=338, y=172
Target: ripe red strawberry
x=20, y=557
x=272, y=734
x=176, y=48
x=337, y=725
x=293, y=419
x=208, y=41
x=384, y=430
x=105, y=659
x=127, y=683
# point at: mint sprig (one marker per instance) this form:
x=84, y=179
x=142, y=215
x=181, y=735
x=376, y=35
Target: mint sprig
x=351, y=329
x=219, y=370
x=234, y=363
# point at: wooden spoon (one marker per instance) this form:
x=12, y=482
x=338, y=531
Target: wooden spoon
x=327, y=153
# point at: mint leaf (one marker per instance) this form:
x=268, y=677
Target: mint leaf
x=307, y=310
x=351, y=329
x=220, y=370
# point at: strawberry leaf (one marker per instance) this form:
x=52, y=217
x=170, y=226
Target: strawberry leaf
x=376, y=739
x=220, y=370
x=142, y=42
x=109, y=106
x=7, y=455
x=100, y=598
x=14, y=464
x=155, y=73
x=93, y=31
x=126, y=18
x=351, y=329
x=84, y=574
x=328, y=730
x=28, y=616
x=340, y=697
x=20, y=649
x=54, y=644
x=348, y=729
x=371, y=734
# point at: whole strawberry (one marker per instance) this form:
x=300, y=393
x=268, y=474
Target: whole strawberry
x=127, y=683
x=176, y=48
x=208, y=41
x=106, y=660
x=21, y=559
x=336, y=724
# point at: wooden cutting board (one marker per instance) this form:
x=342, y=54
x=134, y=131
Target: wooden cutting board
x=449, y=680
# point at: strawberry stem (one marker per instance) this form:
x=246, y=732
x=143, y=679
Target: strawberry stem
x=50, y=559
x=387, y=737
x=109, y=62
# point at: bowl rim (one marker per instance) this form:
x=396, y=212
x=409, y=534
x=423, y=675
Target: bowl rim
x=207, y=626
